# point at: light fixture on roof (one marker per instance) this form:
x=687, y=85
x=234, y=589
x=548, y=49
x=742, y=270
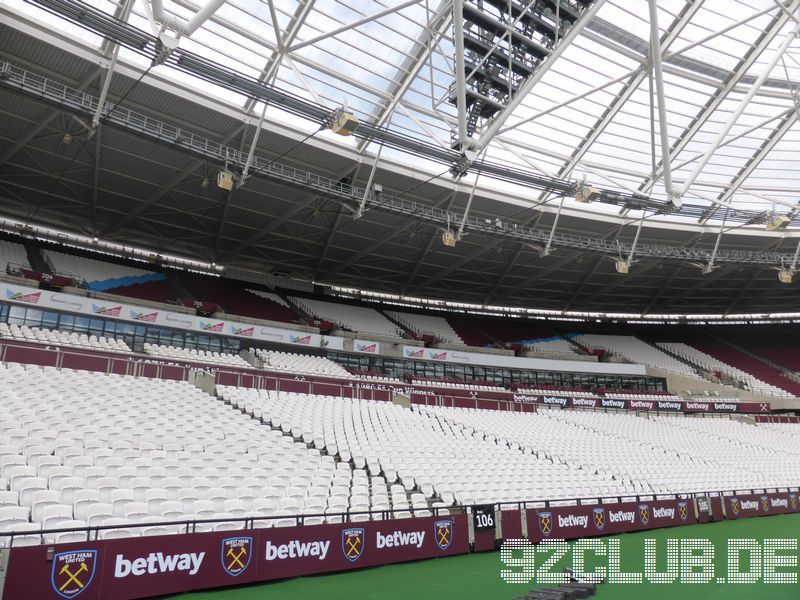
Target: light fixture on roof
x=67, y=139
x=225, y=180
x=785, y=275
x=343, y=122
x=165, y=44
x=204, y=183
x=622, y=266
x=586, y=193
x=449, y=238
x=777, y=222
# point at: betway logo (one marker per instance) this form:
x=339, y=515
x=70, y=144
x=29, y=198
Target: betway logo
x=779, y=502
x=643, y=404
x=621, y=516
x=297, y=549
x=584, y=402
x=555, y=400
x=669, y=405
x=724, y=406
x=158, y=562
x=400, y=538
x=663, y=513
x=608, y=403
x=749, y=505
x=573, y=521
x=697, y=405
x=525, y=398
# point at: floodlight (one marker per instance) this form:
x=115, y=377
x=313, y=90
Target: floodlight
x=622, y=266
x=449, y=238
x=785, y=275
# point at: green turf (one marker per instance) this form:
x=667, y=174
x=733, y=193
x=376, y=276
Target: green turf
x=477, y=576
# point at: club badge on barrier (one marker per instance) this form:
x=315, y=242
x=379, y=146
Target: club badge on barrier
x=443, y=533
x=765, y=503
x=683, y=510
x=793, y=501
x=73, y=572
x=546, y=523
x=599, y=515
x=644, y=513
x=235, y=554
x=353, y=543
x=735, y=506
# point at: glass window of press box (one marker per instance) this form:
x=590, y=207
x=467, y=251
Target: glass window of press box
x=134, y=334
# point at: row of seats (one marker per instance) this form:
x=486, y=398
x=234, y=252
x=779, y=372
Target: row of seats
x=300, y=363
x=118, y=450
x=347, y=316
x=92, y=270
x=636, y=351
x=62, y=338
x=711, y=364
x=457, y=385
x=13, y=254
x=432, y=325
x=556, y=345
x=195, y=355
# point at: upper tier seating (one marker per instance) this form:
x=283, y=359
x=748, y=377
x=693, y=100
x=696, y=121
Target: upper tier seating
x=236, y=300
x=636, y=351
x=117, y=450
x=196, y=356
x=556, y=344
x=62, y=338
x=506, y=330
x=157, y=290
x=355, y=318
x=98, y=274
x=711, y=364
x=757, y=369
x=468, y=332
x=433, y=325
x=13, y=254
x=301, y=363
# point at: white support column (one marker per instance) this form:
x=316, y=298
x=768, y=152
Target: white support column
x=461, y=81
x=655, y=55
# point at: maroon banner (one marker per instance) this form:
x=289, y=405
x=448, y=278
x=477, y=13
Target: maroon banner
x=759, y=505
x=48, y=278
x=153, y=566
x=572, y=522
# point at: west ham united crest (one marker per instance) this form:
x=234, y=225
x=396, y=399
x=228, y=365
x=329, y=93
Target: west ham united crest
x=443, y=533
x=765, y=503
x=235, y=554
x=683, y=510
x=644, y=513
x=735, y=506
x=546, y=523
x=73, y=572
x=599, y=515
x=353, y=543
x=793, y=501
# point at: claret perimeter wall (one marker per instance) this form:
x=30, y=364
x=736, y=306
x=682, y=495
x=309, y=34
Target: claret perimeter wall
x=152, y=566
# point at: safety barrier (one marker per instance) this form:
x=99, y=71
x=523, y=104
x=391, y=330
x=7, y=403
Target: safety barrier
x=250, y=551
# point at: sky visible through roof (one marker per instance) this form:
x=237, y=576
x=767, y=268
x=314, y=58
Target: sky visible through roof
x=589, y=116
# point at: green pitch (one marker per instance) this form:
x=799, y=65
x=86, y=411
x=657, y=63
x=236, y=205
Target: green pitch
x=477, y=576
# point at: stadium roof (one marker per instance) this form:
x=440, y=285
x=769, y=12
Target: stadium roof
x=591, y=115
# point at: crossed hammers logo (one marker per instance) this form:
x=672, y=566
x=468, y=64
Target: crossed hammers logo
x=236, y=558
x=72, y=577
x=444, y=536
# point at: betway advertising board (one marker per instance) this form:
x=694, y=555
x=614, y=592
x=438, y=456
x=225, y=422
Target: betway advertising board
x=572, y=522
x=131, y=313
x=153, y=566
x=759, y=505
x=688, y=406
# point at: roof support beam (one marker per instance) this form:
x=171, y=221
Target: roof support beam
x=166, y=188
x=777, y=134
x=745, y=101
x=672, y=34
x=499, y=120
x=714, y=102
x=353, y=25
